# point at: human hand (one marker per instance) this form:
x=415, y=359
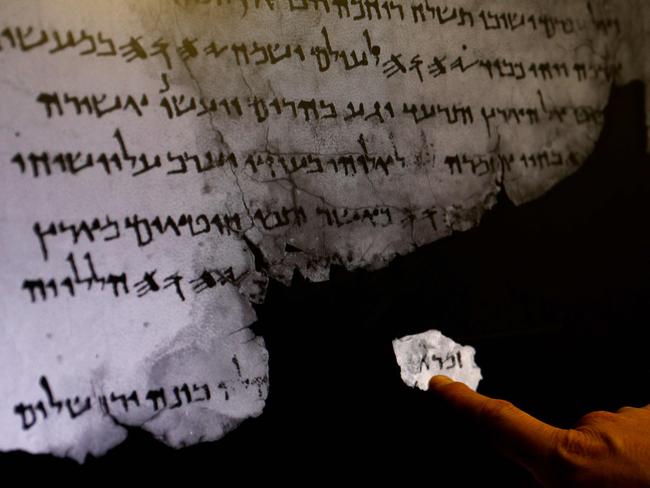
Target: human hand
x=604, y=449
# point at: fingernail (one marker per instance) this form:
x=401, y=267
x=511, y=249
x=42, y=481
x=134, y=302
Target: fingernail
x=439, y=381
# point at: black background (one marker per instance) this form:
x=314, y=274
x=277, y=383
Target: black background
x=552, y=294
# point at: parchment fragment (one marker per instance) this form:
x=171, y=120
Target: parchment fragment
x=160, y=161
x=430, y=353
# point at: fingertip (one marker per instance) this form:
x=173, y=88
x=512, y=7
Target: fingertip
x=439, y=381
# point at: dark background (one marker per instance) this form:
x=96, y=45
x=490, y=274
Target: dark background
x=552, y=294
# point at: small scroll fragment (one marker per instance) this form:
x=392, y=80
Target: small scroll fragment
x=430, y=353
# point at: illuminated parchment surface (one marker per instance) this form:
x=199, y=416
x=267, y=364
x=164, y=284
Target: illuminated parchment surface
x=161, y=160
x=421, y=356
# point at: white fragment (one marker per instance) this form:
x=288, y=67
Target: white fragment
x=430, y=353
